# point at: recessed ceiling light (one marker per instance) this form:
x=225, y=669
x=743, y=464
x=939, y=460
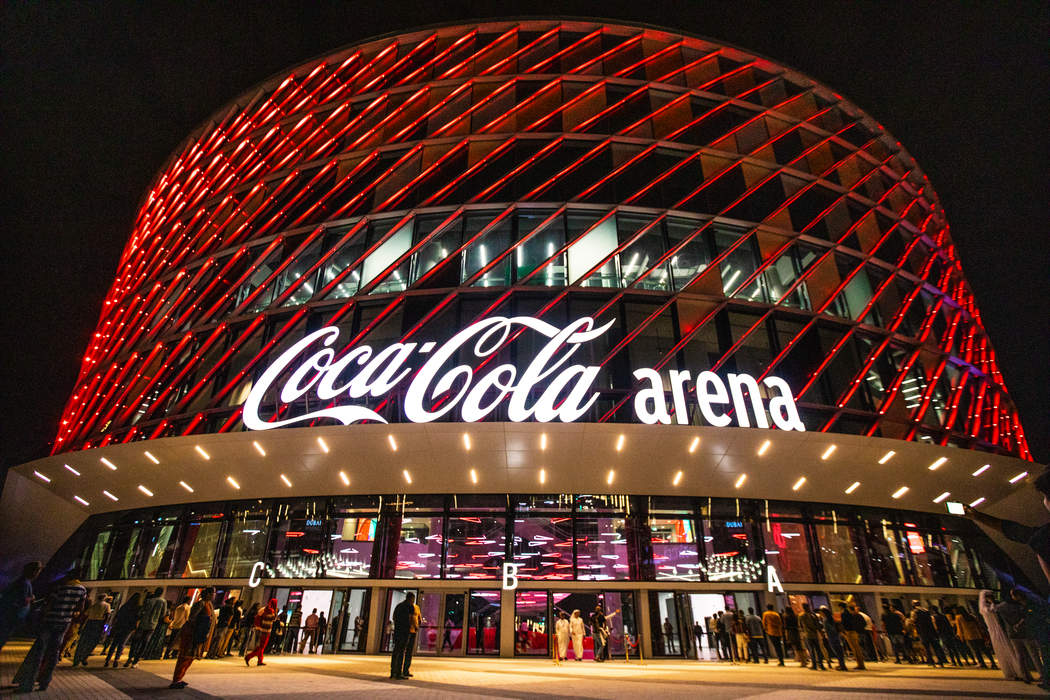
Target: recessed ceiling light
x=108, y=463
x=42, y=477
x=186, y=486
x=900, y=492
x=694, y=444
x=764, y=448
x=201, y=452
x=75, y=472
x=937, y=463
x=978, y=502
x=258, y=448
x=408, y=477
x=609, y=478
x=942, y=497
x=145, y=490
x=110, y=496
x=233, y=482
x=853, y=487
x=466, y=441
x=345, y=479
x=543, y=476
x=677, y=478
x=887, y=457
x=619, y=442
x=392, y=441
x=740, y=481
x=81, y=501
x=1018, y=477
x=474, y=476
x=799, y=483
x=150, y=457
x=982, y=470
x=286, y=481
x=323, y=444
x=828, y=452
x=543, y=441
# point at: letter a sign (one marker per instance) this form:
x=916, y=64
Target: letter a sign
x=773, y=581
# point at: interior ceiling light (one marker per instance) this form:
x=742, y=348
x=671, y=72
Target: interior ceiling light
x=677, y=478
x=75, y=472
x=392, y=441
x=543, y=441
x=145, y=490
x=543, y=476
x=408, y=477
x=942, y=497
x=233, y=482
x=258, y=448
x=466, y=441
x=887, y=457
x=978, y=502
x=619, y=442
x=186, y=486
x=474, y=475
x=150, y=457
x=982, y=470
x=345, y=479
x=828, y=452
x=900, y=492
x=110, y=496
x=201, y=452
x=1018, y=477
x=764, y=448
x=286, y=480
x=81, y=501
x=108, y=463
x=939, y=462
x=694, y=444
x=799, y=483
x=323, y=444
x=740, y=481
x=42, y=477
x=609, y=478
x=853, y=487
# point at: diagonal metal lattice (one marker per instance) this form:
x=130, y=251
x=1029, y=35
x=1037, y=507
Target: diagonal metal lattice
x=728, y=212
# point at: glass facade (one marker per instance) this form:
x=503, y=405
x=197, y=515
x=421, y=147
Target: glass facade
x=559, y=537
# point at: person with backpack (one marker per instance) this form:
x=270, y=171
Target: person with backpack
x=193, y=634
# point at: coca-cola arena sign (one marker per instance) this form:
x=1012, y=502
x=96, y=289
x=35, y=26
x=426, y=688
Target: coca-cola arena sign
x=549, y=388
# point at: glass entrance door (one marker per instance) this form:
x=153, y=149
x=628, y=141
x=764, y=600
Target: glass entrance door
x=452, y=625
x=483, y=616
x=430, y=607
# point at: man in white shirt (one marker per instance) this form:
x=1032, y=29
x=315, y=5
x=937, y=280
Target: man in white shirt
x=178, y=619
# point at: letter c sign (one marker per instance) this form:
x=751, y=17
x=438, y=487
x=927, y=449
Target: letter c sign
x=256, y=576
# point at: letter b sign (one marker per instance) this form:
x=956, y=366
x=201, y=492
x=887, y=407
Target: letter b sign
x=510, y=576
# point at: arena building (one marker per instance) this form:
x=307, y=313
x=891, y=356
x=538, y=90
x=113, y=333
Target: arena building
x=547, y=313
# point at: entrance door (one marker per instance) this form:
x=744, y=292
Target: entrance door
x=353, y=620
x=452, y=625
x=483, y=616
x=703, y=607
x=584, y=603
x=430, y=607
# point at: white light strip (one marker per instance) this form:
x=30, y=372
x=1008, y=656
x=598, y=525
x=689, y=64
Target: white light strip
x=466, y=441
x=543, y=441
x=150, y=457
x=344, y=478
x=108, y=463
x=81, y=501
x=186, y=486
x=677, y=478
x=694, y=444
x=145, y=490
x=201, y=452
x=75, y=472
x=887, y=457
x=942, y=497
x=740, y=481
x=392, y=441
x=982, y=470
x=828, y=452
x=1018, y=477
x=853, y=487
x=110, y=496
x=286, y=481
x=233, y=482
x=764, y=448
x=610, y=477
x=543, y=476
x=938, y=463
x=799, y=483
x=474, y=476
x=978, y=502
x=900, y=492
x=619, y=442
x=408, y=477
x=323, y=444
x=42, y=477
x=258, y=448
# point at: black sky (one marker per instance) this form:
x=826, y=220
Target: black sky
x=95, y=96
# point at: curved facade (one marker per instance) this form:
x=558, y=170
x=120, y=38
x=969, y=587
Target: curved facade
x=536, y=293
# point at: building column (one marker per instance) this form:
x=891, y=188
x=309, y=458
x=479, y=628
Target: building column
x=374, y=638
x=506, y=623
x=642, y=622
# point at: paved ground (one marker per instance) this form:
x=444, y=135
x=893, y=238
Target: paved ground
x=366, y=677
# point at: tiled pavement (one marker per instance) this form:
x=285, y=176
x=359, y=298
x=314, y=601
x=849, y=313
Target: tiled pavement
x=366, y=677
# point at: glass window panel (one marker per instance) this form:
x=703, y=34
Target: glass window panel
x=96, y=552
x=438, y=248
x=675, y=553
x=383, y=257
x=543, y=547
x=249, y=529
x=199, y=541
x=486, y=249
x=483, y=614
x=731, y=551
x=693, y=257
x=589, y=250
x=839, y=545
x=476, y=547
x=929, y=557
x=530, y=623
x=539, y=247
x=642, y=255
x=787, y=549
x=419, y=549
x=601, y=549
x=161, y=550
x=339, y=261
x=352, y=542
x=298, y=539
x=257, y=278
x=959, y=560
x=296, y=269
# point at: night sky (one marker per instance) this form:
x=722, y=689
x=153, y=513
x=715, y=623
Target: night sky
x=95, y=96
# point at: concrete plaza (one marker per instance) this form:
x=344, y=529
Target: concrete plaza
x=351, y=676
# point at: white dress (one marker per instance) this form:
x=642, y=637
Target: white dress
x=576, y=631
x=1004, y=649
x=561, y=632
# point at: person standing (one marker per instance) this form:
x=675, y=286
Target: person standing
x=833, y=634
x=179, y=615
x=561, y=634
x=811, y=628
x=893, y=624
x=967, y=630
x=740, y=635
x=1009, y=661
x=192, y=635
x=404, y=619
x=16, y=601
x=793, y=636
x=698, y=638
x=853, y=627
x=65, y=603
x=600, y=634
x=123, y=625
x=756, y=637
x=91, y=632
x=309, y=632
x=233, y=629
x=773, y=624
x=576, y=631
x=149, y=617
x=1012, y=612
x=291, y=632
x=927, y=632
x=222, y=626
x=262, y=625
x=322, y=630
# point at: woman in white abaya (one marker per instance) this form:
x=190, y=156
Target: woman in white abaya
x=1004, y=650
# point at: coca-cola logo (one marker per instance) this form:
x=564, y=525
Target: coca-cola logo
x=548, y=388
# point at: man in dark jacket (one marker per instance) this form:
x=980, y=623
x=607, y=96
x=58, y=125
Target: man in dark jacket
x=852, y=627
x=893, y=623
x=16, y=601
x=923, y=621
x=404, y=617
